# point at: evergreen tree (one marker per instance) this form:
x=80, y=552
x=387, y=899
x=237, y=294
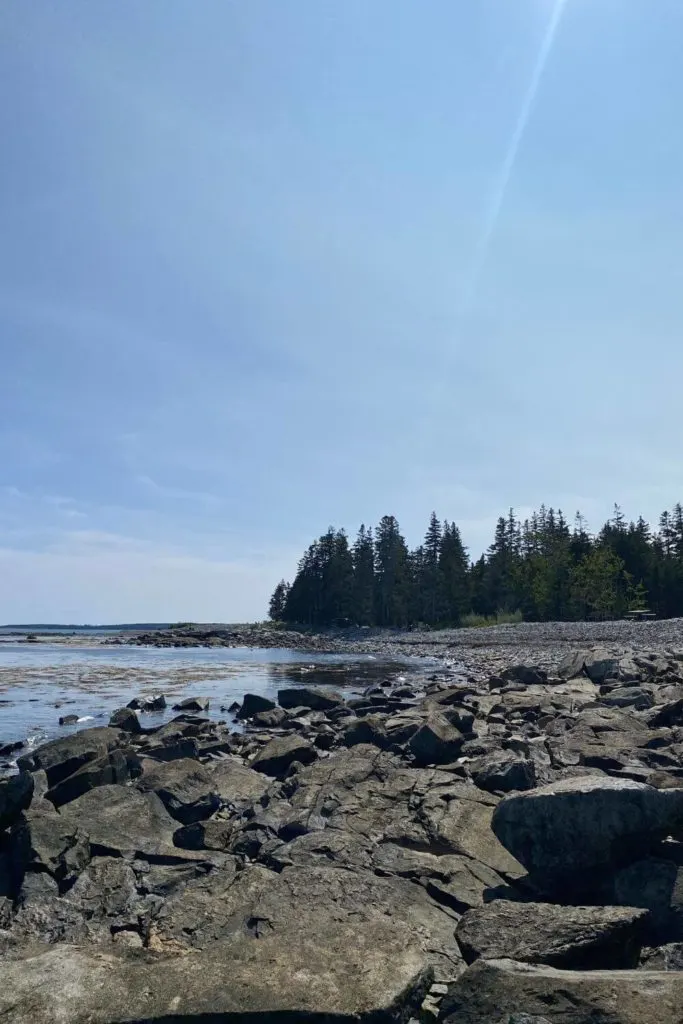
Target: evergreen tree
x=278, y=601
x=455, y=573
x=392, y=581
x=363, y=555
x=428, y=576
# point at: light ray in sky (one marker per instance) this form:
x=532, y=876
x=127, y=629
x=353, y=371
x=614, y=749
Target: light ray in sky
x=468, y=294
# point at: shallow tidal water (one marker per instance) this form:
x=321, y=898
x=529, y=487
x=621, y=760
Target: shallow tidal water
x=39, y=683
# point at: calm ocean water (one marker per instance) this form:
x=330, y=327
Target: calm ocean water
x=41, y=682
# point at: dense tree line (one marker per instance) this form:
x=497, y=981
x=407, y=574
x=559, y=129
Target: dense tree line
x=543, y=568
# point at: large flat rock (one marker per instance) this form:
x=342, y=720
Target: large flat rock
x=494, y=991
x=354, y=974
x=314, y=901
x=544, y=933
x=580, y=824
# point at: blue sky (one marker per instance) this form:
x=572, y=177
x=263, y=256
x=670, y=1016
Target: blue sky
x=260, y=272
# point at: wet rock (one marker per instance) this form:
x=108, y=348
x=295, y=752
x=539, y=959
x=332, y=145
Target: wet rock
x=195, y=704
x=435, y=742
x=126, y=720
x=496, y=990
x=68, y=719
x=582, y=824
x=589, y=938
x=252, y=703
x=148, y=704
x=184, y=787
x=308, y=697
x=7, y=749
x=61, y=758
x=278, y=755
x=16, y=794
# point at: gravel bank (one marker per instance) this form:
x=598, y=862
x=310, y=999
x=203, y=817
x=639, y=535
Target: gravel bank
x=479, y=652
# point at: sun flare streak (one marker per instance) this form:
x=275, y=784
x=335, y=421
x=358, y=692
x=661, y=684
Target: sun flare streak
x=503, y=179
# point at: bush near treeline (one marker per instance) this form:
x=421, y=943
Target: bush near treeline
x=541, y=569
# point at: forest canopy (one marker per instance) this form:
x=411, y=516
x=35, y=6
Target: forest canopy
x=540, y=569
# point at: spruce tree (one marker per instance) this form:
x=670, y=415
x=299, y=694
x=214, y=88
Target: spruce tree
x=278, y=601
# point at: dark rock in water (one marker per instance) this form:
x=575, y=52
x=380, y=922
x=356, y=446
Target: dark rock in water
x=253, y=703
x=68, y=720
x=495, y=991
x=16, y=794
x=117, y=767
x=436, y=742
x=270, y=719
x=527, y=675
x=148, y=704
x=589, y=938
x=504, y=772
x=184, y=787
x=192, y=704
x=7, y=749
x=308, y=697
x=61, y=758
x=277, y=756
x=581, y=824
x=127, y=720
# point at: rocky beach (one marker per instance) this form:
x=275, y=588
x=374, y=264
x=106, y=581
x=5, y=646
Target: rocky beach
x=497, y=839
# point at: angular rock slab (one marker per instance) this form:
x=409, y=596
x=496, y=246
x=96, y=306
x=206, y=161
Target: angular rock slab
x=16, y=794
x=184, y=787
x=354, y=975
x=307, y=900
x=587, y=823
x=275, y=758
x=543, y=933
x=122, y=820
x=494, y=991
